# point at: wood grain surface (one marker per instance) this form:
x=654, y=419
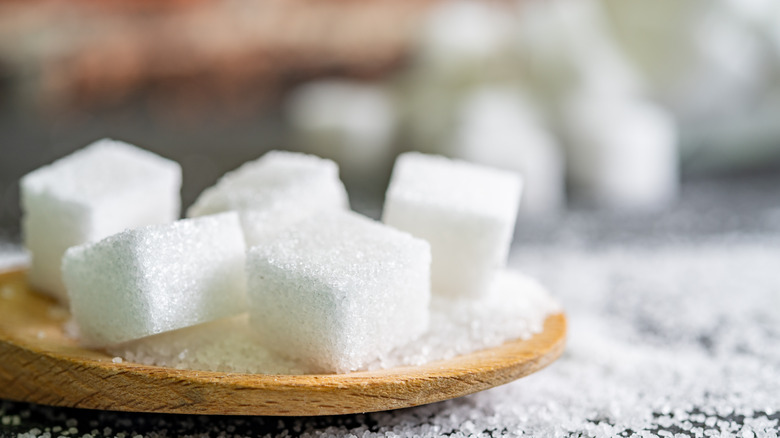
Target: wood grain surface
x=39, y=364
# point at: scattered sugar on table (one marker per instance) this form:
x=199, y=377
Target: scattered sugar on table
x=107, y=187
x=157, y=278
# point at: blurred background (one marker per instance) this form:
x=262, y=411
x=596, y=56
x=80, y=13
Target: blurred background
x=664, y=112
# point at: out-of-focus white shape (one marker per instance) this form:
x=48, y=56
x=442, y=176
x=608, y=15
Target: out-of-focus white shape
x=738, y=142
x=622, y=153
x=728, y=69
x=702, y=58
x=753, y=11
x=499, y=128
x=566, y=44
x=464, y=30
x=349, y=122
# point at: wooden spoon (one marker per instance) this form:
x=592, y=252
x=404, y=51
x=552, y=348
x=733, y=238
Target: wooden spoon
x=39, y=364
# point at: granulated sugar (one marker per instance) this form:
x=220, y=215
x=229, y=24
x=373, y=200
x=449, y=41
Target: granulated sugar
x=227, y=345
x=516, y=308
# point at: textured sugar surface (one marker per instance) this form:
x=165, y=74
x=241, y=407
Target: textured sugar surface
x=260, y=226
x=516, y=308
x=338, y=290
x=157, y=278
x=465, y=211
x=276, y=180
x=455, y=186
x=99, y=171
x=100, y=190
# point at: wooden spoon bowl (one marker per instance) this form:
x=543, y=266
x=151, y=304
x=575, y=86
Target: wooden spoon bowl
x=39, y=364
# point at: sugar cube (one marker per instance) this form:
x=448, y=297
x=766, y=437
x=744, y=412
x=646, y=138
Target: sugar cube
x=622, y=152
x=156, y=278
x=350, y=122
x=311, y=183
x=466, y=212
x=339, y=290
x=107, y=187
x=261, y=225
x=499, y=127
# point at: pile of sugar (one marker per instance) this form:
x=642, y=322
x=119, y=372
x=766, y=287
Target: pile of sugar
x=516, y=308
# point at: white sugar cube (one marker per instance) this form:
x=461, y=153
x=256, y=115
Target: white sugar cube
x=622, y=152
x=261, y=225
x=466, y=211
x=278, y=177
x=350, y=122
x=339, y=290
x=105, y=188
x=499, y=127
x=157, y=278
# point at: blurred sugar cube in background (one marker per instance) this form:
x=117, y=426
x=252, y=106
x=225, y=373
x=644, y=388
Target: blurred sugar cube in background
x=498, y=128
x=351, y=122
x=622, y=152
x=599, y=104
